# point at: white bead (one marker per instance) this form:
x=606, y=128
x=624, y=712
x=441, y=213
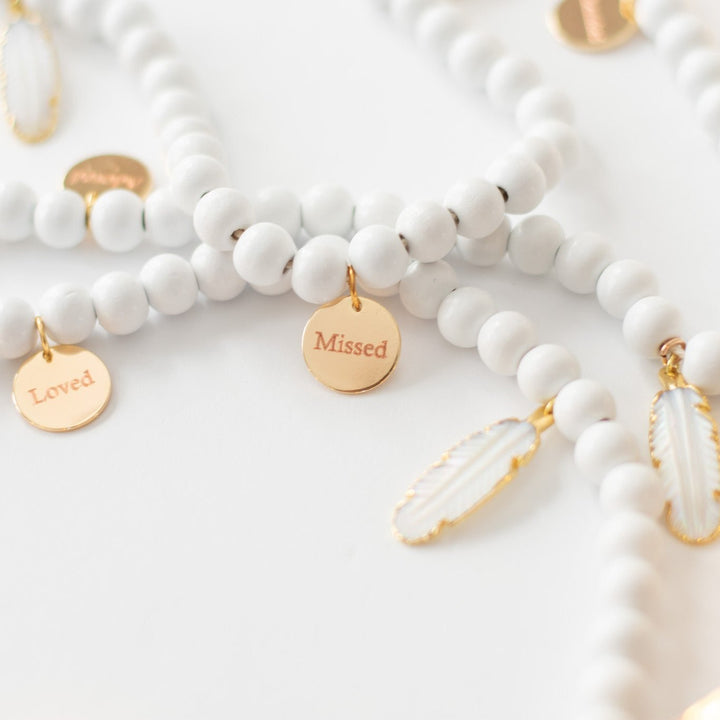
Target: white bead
x=437, y=27
x=120, y=303
x=378, y=208
x=579, y=405
x=17, y=206
x=622, y=284
x=508, y=79
x=679, y=35
x=60, y=219
x=197, y=143
x=428, y=229
x=216, y=274
x=163, y=74
x=18, y=335
x=262, y=254
x=221, y=216
x=631, y=583
x=699, y=70
x=407, y=12
x=651, y=14
x=165, y=223
x=503, y=341
x=701, y=365
x=708, y=110
x=649, y=323
x=83, y=16
x=533, y=244
x=120, y=16
x=471, y=56
x=327, y=210
x=381, y=292
x=320, y=269
x=280, y=206
x=629, y=533
x=617, y=682
x=174, y=103
x=478, y=205
x=283, y=285
x=378, y=256
x=462, y=313
x=634, y=487
x=580, y=261
x=486, y=251
x=545, y=370
x=68, y=313
x=563, y=136
x=170, y=284
x=184, y=125
x=604, y=446
x=624, y=632
x=545, y=154
x=116, y=220
x=543, y=103
x=521, y=178
x=425, y=286
x=195, y=176
x=141, y=45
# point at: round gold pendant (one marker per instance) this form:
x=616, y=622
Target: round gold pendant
x=64, y=393
x=351, y=350
x=95, y=175
x=592, y=25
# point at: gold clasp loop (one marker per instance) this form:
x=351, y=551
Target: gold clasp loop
x=352, y=284
x=671, y=353
x=46, y=351
x=543, y=417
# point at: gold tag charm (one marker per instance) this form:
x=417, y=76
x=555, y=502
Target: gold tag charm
x=61, y=388
x=351, y=344
x=593, y=25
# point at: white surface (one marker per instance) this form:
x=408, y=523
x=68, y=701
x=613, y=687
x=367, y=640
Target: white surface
x=218, y=544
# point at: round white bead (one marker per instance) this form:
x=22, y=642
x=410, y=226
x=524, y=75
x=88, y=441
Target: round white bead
x=320, y=269
x=543, y=103
x=121, y=16
x=407, y=12
x=680, y=34
x=651, y=14
x=428, y=229
x=216, y=274
x=425, y=286
x=116, y=220
x=701, y=365
x=563, y=136
x=68, y=313
x=185, y=125
x=521, y=178
x=327, y=210
x=60, y=219
x=708, y=110
x=604, y=446
x=699, y=70
x=649, y=323
x=221, y=216
x=462, y=314
x=545, y=370
x=378, y=256
x=17, y=206
x=622, y=284
x=631, y=583
x=624, y=632
x=170, y=284
x=478, y=205
x=580, y=261
x=381, y=292
x=378, y=208
x=471, y=56
x=617, y=682
x=283, y=285
x=165, y=223
x=486, y=251
x=195, y=176
x=533, y=244
x=437, y=27
x=174, y=103
x=141, y=45
x=503, y=341
x=545, y=154
x=163, y=74
x=634, y=487
x=82, y=16
x=579, y=405
x=629, y=533
x=120, y=303
x=279, y=206
x=197, y=143
x=18, y=335
x=262, y=254
x=508, y=79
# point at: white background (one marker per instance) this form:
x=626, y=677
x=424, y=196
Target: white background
x=217, y=546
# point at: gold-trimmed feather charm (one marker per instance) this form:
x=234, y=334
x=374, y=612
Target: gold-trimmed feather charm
x=685, y=447
x=468, y=475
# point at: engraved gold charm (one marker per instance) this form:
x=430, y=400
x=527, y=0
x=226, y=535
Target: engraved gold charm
x=351, y=344
x=593, y=25
x=707, y=709
x=61, y=388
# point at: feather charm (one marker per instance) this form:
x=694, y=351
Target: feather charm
x=468, y=475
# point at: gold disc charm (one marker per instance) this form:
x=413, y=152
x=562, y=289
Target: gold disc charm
x=351, y=344
x=61, y=388
x=93, y=176
x=593, y=25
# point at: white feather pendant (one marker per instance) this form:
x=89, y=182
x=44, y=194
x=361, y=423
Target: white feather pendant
x=466, y=476
x=684, y=446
